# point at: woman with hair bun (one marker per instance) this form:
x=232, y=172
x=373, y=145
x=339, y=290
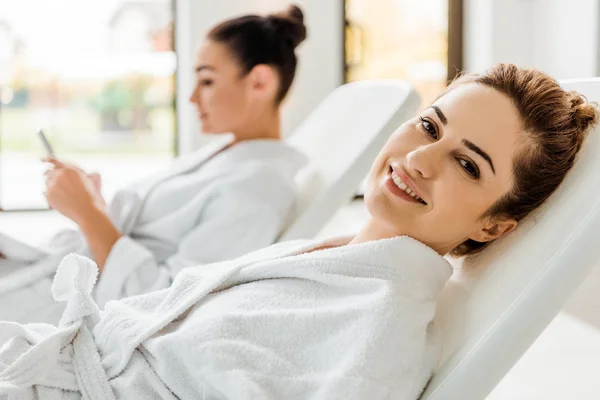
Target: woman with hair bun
x=215, y=204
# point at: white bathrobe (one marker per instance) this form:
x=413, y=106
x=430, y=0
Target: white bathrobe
x=210, y=206
x=351, y=322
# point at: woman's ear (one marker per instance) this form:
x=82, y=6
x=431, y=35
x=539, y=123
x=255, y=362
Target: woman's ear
x=494, y=229
x=263, y=80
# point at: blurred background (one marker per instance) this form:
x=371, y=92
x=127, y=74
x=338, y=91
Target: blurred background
x=98, y=77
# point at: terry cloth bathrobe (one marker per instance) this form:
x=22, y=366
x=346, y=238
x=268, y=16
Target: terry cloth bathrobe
x=351, y=322
x=215, y=204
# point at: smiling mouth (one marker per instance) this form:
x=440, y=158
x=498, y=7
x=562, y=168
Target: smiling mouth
x=404, y=187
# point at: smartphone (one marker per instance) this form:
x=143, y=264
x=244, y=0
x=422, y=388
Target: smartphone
x=46, y=143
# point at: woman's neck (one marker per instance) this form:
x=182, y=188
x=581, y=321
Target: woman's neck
x=374, y=230
x=261, y=127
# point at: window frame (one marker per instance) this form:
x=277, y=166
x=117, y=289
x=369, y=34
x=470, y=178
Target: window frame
x=454, y=60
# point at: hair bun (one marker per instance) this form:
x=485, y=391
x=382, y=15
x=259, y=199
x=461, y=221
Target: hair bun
x=585, y=114
x=295, y=12
x=289, y=24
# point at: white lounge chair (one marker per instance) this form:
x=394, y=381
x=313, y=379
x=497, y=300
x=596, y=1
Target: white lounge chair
x=499, y=303
x=341, y=138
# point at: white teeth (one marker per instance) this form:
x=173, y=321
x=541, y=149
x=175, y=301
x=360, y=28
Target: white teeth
x=403, y=186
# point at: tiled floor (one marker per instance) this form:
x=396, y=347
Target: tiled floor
x=563, y=364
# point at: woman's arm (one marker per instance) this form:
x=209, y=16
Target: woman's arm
x=100, y=233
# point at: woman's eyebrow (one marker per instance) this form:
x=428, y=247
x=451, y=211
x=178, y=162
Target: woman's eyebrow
x=202, y=67
x=440, y=114
x=472, y=146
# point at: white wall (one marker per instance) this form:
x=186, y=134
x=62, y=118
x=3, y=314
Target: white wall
x=320, y=60
x=477, y=34
x=566, y=38
x=497, y=31
x=557, y=36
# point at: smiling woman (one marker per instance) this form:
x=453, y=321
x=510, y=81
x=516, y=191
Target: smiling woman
x=487, y=152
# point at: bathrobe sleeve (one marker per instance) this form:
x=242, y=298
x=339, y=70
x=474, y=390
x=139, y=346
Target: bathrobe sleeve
x=243, y=213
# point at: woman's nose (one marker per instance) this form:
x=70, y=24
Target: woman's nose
x=424, y=161
x=194, y=96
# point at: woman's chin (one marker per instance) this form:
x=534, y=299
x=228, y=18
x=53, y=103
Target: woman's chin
x=383, y=205
x=205, y=128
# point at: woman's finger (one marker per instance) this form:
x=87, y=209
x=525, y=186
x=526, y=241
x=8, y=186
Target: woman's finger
x=54, y=161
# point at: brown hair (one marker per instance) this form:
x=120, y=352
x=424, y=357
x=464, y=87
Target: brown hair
x=555, y=123
x=270, y=40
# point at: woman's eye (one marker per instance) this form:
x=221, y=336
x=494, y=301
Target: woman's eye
x=470, y=168
x=429, y=127
x=206, y=82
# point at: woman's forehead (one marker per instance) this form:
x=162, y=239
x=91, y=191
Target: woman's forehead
x=481, y=107
x=213, y=54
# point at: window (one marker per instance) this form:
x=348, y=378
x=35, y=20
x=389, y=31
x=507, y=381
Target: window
x=418, y=41
x=98, y=77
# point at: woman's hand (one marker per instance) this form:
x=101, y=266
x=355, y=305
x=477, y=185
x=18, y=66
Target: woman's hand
x=97, y=181
x=71, y=192
x=76, y=195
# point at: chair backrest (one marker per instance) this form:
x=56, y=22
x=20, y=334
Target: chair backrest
x=341, y=138
x=500, y=301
